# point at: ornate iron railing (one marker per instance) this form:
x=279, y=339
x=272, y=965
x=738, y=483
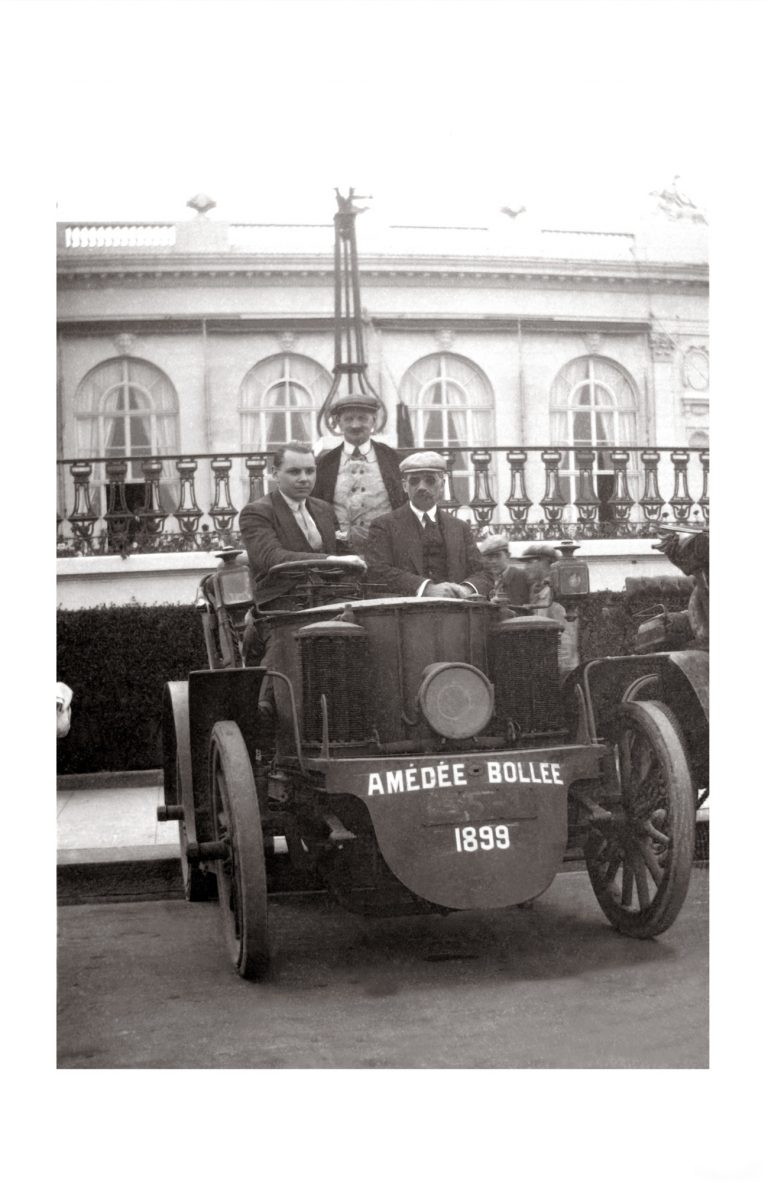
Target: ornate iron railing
x=552, y=492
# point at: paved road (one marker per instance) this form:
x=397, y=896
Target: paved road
x=148, y=985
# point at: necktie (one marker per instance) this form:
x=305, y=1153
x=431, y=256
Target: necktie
x=309, y=528
x=357, y=456
x=425, y=520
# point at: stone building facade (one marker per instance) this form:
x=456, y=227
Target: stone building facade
x=207, y=339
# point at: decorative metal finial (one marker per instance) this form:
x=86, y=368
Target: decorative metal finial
x=201, y=203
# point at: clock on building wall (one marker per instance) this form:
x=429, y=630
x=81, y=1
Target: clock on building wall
x=696, y=369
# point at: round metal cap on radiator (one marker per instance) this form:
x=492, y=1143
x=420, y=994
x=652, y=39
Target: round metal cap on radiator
x=456, y=699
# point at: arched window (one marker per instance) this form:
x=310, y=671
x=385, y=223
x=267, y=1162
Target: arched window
x=593, y=403
x=279, y=399
x=126, y=408
x=450, y=402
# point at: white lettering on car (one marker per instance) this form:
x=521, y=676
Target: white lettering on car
x=445, y=774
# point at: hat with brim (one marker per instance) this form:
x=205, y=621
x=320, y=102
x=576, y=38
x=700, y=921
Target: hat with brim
x=422, y=463
x=354, y=402
x=492, y=544
x=540, y=552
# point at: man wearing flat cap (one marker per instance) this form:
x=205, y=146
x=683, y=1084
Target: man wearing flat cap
x=419, y=550
x=510, y=584
x=360, y=478
x=539, y=558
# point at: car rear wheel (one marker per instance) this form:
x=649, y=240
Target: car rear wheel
x=241, y=875
x=639, y=862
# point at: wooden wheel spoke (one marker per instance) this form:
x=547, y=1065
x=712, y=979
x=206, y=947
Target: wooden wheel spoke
x=651, y=862
x=627, y=879
x=612, y=867
x=641, y=881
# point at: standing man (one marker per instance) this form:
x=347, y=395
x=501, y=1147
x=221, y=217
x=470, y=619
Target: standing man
x=360, y=477
x=419, y=550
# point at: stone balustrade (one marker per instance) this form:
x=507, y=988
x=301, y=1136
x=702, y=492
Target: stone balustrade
x=185, y=503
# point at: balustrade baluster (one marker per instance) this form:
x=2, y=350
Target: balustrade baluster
x=83, y=517
x=482, y=502
x=620, y=500
x=586, y=501
x=187, y=513
x=256, y=466
x=151, y=516
x=120, y=520
x=518, y=504
x=704, y=500
x=651, y=501
x=449, y=503
x=681, y=501
x=222, y=510
x=553, y=502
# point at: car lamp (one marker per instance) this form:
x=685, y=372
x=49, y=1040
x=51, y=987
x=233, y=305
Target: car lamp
x=455, y=699
x=233, y=577
x=570, y=578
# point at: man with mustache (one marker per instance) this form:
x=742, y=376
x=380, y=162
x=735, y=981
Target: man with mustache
x=419, y=550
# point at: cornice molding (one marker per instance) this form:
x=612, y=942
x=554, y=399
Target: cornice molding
x=87, y=265
x=285, y=323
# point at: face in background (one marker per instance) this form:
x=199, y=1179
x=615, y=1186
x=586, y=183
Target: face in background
x=496, y=562
x=538, y=568
x=424, y=488
x=357, y=425
x=295, y=475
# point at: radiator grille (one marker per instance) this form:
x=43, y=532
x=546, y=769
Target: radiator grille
x=526, y=679
x=337, y=665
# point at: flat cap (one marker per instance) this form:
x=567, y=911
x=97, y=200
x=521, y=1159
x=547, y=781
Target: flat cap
x=349, y=400
x=426, y=460
x=539, y=551
x=493, y=544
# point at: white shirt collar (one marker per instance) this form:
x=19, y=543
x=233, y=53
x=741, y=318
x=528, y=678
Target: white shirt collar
x=294, y=504
x=364, y=449
x=420, y=514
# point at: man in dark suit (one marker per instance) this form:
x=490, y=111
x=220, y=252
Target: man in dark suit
x=419, y=550
x=360, y=477
x=286, y=525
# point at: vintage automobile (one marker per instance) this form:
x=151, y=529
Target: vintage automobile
x=429, y=755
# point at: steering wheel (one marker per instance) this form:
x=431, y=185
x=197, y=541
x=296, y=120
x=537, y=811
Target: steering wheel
x=350, y=566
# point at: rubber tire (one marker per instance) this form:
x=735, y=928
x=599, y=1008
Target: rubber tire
x=662, y=741
x=242, y=879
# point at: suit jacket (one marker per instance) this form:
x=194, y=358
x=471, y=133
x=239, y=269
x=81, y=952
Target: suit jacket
x=389, y=465
x=272, y=536
x=395, y=553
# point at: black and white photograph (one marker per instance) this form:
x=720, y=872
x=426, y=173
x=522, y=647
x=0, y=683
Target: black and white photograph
x=386, y=383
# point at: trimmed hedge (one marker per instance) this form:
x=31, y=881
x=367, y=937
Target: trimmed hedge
x=117, y=659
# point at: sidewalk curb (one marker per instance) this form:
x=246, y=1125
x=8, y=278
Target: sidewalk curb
x=130, y=874
x=108, y=779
